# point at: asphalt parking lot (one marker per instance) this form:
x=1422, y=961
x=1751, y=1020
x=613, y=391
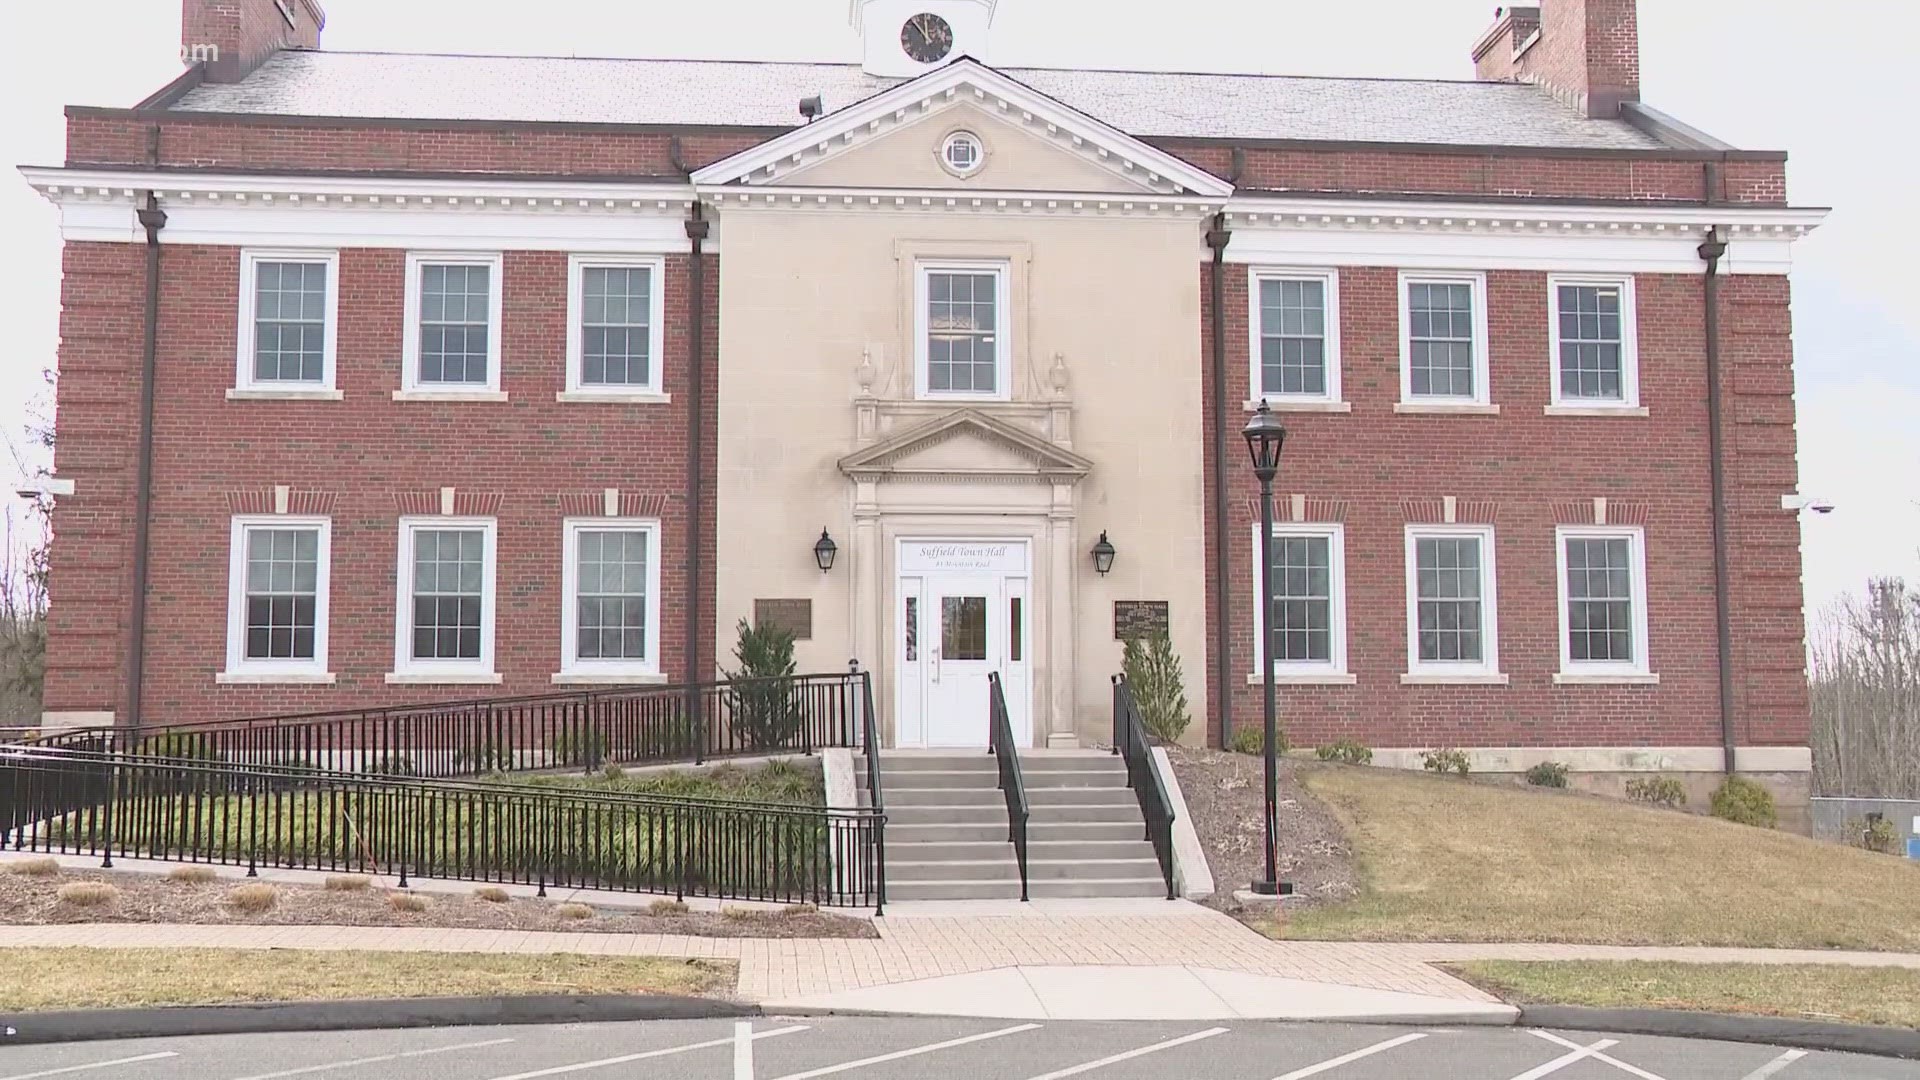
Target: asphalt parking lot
x=865, y=1048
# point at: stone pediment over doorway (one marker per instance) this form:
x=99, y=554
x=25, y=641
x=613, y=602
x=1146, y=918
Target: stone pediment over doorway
x=966, y=443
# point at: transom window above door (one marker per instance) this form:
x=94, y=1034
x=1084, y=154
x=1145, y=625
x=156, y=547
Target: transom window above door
x=961, y=336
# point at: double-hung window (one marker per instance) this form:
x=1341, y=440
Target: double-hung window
x=961, y=322
x=1603, y=601
x=1452, y=630
x=1295, y=335
x=610, y=597
x=277, y=599
x=1443, y=339
x=289, y=313
x=444, y=629
x=453, y=325
x=1595, y=347
x=1309, y=602
x=615, y=326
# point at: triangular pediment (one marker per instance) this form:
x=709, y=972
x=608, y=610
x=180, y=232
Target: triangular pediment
x=966, y=442
x=1043, y=142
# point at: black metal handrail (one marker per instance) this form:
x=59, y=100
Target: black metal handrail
x=876, y=801
x=1156, y=805
x=107, y=804
x=576, y=730
x=1014, y=786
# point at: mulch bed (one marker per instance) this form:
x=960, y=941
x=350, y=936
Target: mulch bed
x=1224, y=794
x=151, y=898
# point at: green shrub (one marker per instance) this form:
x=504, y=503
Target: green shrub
x=764, y=712
x=1744, y=802
x=1874, y=833
x=1253, y=740
x=1664, y=791
x=1153, y=674
x=1548, y=774
x=1446, y=760
x=480, y=758
x=1344, y=751
x=579, y=745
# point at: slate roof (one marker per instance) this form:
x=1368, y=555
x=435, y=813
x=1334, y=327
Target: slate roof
x=730, y=93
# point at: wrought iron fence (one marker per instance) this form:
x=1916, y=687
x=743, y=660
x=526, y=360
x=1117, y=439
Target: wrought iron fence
x=1156, y=805
x=1012, y=784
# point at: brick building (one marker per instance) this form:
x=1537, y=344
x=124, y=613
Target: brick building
x=392, y=378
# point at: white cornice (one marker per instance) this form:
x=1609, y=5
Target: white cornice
x=728, y=199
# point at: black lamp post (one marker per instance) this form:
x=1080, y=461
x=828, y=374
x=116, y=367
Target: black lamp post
x=1103, y=554
x=1265, y=437
x=824, y=550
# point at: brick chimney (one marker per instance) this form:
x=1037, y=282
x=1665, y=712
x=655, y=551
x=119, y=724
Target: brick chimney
x=1586, y=52
x=232, y=37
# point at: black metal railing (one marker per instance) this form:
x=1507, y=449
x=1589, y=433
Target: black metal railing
x=1014, y=786
x=90, y=802
x=1156, y=805
x=636, y=725
x=876, y=800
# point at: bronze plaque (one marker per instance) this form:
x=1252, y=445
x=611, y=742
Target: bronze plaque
x=794, y=616
x=1138, y=619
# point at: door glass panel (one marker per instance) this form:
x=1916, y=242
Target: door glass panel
x=913, y=628
x=963, y=628
x=1013, y=635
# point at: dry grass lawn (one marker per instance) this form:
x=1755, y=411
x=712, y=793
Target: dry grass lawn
x=1855, y=995
x=39, y=980
x=1445, y=859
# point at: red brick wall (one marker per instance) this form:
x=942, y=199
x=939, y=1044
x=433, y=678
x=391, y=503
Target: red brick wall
x=245, y=33
x=360, y=453
x=1528, y=471
x=1588, y=53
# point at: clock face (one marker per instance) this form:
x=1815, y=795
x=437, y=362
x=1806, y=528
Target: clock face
x=927, y=38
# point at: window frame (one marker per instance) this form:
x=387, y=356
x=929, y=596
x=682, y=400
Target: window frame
x=1329, y=279
x=405, y=667
x=247, y=329
x=1487, y=668
x=417, y=261
x=1334, y=668
x=576, y=385
x=1003, y=328
x=239, y=667
x=570, y=662
x=1482, y=365
x=1636, y=536
x=1629, y=342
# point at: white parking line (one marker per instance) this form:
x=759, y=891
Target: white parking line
x=898, y=1054
x=95, y=1065
x=1566, y=1059
x=1775, y=1065
x=1365, y=1051
x=743, y=1050
x=1597, y=1056
x=1128, y=1055
x=373, y=1060
x=624, y=1058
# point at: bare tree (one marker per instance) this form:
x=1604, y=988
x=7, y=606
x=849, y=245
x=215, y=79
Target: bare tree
x=1866, y=694
x=23, y=576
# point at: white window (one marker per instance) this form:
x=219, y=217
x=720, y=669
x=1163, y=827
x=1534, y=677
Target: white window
x=961, y=320
x=1451, y=605
x=962, y=153
x=1295, y=335
x=277, y=599
x=445, y=617
x=1443, y=339
x=610, y=597
x=453, y=324
x=1603, y=600
x=1309, y=600
x=1596, y=359
x=616, y=319
x=288, y=327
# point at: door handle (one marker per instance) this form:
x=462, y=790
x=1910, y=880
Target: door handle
x=936, y=663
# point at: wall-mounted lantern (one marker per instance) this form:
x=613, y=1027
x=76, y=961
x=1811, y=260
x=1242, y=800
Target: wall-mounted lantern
x=824, y=550
x=1103, y=554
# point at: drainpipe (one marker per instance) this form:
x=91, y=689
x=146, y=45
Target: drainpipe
x=1217, y=238
x=152, y=219
x=1712, y=250
x=697, y=228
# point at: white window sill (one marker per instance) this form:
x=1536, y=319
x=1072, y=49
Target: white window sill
x=626, y=397
x=449, y=395
x=608, y=678
x=1599, y=678
x=289, y=393
x=1597, y=410
x=1446, y=408
x=1302, y=678
x=1462, y=679
x=444, y=678
x=274, y=678
x=1299, y=405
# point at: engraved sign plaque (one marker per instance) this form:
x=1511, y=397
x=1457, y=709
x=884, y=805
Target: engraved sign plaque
x=1139, y=619
x=795, y=616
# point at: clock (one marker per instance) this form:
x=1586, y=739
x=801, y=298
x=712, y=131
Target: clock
x=927, y=38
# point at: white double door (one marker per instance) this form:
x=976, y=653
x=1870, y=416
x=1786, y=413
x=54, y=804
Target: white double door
x=957, y=627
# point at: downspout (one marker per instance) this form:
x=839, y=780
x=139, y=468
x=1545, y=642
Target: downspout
x=152, y=219
x=1712, y=250
x=1217, y=239
x=697, y=227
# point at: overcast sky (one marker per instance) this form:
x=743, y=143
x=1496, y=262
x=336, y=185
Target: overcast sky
x=1763, y=74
